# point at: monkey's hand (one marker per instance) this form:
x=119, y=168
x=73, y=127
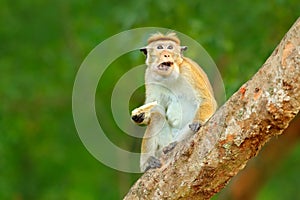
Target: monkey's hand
x=195, y=126
x=141, y=115
x=152, y=163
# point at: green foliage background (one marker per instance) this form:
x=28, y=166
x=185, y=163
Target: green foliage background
x=42, y=46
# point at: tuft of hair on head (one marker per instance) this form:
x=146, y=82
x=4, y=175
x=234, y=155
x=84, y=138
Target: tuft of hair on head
x=159, y=36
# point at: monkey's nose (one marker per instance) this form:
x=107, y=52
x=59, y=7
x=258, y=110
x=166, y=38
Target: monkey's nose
x=166, y=55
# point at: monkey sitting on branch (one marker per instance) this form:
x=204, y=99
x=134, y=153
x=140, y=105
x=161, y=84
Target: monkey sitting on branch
x=179, y=98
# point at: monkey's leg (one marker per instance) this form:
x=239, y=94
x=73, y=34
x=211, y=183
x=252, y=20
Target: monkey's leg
x=141, y=115
x=153, y=139
x=148, y=159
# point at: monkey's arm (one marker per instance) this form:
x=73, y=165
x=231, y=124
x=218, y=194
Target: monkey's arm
x=199, y=81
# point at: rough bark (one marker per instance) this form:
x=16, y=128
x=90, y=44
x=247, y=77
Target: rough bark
x=260, y=109
x=247, y=184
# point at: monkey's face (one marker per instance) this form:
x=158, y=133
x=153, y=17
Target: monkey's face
x=163, y=57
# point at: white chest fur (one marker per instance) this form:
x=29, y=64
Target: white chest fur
x=177, y=97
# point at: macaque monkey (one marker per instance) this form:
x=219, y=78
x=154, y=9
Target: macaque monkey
x=179, y=98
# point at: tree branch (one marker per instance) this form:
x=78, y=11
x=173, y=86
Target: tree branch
x=260, y=109
x=248, y=183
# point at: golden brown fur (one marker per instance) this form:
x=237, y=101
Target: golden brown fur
x=192, y=72
x=159, y=36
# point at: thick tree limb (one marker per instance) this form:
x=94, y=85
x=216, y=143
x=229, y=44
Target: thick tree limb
x=248, y=183
x=262, y=108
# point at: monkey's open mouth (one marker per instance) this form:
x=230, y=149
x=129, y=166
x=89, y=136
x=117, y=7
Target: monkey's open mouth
x=165, y=65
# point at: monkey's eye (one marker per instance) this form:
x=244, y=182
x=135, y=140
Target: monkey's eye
x=170, y=47
x=159, y=47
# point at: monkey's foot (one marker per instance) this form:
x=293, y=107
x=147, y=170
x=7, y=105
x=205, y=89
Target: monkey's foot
x=195, y=126
x=170, y=147
x=141, y=114
x=153, y=163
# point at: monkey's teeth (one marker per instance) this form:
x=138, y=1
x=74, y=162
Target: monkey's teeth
x=165, y=65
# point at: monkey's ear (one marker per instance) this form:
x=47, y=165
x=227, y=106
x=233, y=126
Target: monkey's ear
x=183, y=48
x=144, y=50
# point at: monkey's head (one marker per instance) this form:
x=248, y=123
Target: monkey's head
x=164, y=54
